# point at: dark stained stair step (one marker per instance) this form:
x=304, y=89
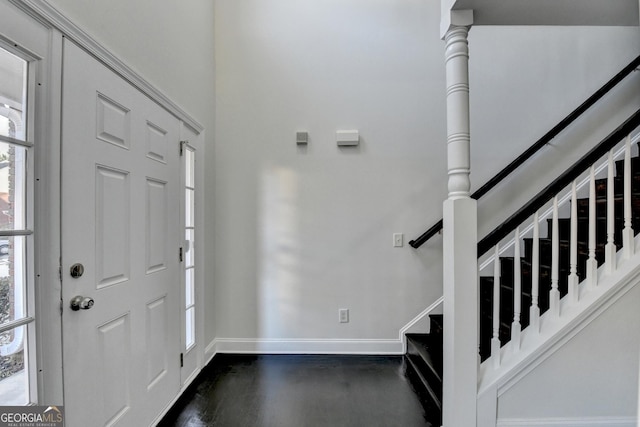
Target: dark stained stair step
x=424, y=369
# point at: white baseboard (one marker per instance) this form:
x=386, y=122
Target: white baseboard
x=307, y=346
x=176, y=398
x=209, y=352
x=569, y=422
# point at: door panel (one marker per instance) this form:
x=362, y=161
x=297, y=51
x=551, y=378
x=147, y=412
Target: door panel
x=120, y=219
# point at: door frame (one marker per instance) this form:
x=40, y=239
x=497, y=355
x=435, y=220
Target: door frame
x=39, y=40
x=47, y=190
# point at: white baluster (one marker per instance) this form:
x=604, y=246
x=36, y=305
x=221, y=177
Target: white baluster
x=610, y=247
x=534, y=310
x=554, y=293
x=592, y=263
x=627, y=233
x=495, y=341
x=573, y=247
x=516, y=327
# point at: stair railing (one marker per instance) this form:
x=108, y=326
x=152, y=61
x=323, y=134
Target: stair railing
x=555, y=205
x=542, y=142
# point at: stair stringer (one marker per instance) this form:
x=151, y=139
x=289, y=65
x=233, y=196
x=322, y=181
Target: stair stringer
x=554, y=333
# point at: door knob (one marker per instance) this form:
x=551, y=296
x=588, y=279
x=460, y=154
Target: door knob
x=81, y=303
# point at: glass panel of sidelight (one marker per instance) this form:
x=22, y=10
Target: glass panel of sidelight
x=13, y=279
x=13, y=95
x=14, y=381
x=190, y=328
x=13, y=174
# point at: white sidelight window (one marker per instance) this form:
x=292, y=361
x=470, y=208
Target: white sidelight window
x=17, y=335
x=189, y=249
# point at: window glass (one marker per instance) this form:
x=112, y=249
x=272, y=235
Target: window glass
x=189, y=250
x=191, y=332
x=16, y=293
x=12, y=186
x=13, y=75
x=189, y=260
x=14, y=381
x=189, y=208
x=190, y=178
x=13, y=284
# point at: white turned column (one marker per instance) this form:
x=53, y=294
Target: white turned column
x=554, y=293
x=592, y=263
x=460, y=240
x=516, y=327
x=573, y=247
x=628, y=233
x=534, y=311
x=495, y=340
x=610, y=248
x=458, y=124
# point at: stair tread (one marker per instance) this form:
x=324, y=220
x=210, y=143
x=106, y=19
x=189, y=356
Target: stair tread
x=420, y=361
x=424, y=346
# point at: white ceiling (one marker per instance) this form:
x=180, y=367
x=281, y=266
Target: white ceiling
x=552, y=12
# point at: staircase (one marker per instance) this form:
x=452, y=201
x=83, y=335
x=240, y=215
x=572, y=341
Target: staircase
x=424, y=367
x=507, y=263
x=570, y=208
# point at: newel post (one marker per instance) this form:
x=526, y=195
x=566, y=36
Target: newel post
x=460, y=236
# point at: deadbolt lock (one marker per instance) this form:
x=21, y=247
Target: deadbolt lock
x=77, y=270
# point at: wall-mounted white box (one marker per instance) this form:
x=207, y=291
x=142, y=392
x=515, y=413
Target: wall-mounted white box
x=302, y=138
x=347, y=137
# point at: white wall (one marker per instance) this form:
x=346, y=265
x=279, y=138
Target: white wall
x=594, y=376
x=294, y=233
x=523, y=81
x=170, y=44
x=302, y=232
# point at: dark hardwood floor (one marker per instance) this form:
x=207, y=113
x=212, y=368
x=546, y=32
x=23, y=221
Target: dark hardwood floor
x=300, y=391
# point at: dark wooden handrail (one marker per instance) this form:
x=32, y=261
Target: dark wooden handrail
x=546, y=138
x=561, y=182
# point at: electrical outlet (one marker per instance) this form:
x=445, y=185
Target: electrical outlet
x=343, y=315
x=398, y=240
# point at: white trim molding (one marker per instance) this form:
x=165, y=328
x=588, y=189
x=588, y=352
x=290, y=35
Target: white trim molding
x=569, y=422
x=307, y=346
x=424, y=313
x=209, y=352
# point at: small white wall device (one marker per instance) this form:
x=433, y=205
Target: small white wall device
x=346, y=138
x=302, y=138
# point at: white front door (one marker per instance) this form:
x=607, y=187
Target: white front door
x=120, y=222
